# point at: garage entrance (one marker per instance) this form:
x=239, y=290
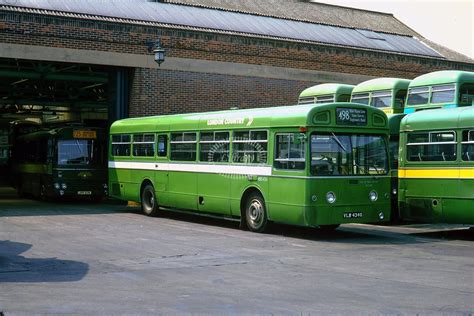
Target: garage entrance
x=43, y=94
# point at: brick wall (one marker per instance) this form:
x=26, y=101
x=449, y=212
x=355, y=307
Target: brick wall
x=155, y=91
x=173, y=92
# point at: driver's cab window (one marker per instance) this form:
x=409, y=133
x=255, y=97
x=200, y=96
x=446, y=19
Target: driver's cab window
x=290, y=151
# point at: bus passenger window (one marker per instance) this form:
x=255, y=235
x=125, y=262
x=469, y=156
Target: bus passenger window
x=183, y=146
x=431, y=146
x=214, y=147
x=249, y=147
x=143, y=145
x=290, y=151
x=362, y=98
x=442, y=93
x=121, y=145
x=162, y=145
x=467, y=147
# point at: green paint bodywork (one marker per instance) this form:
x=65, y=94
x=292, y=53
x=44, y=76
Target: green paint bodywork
x=437, y=200
x=291, y=196
x=340, y=91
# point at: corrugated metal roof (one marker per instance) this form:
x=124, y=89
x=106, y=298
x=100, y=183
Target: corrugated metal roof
x=235, y=22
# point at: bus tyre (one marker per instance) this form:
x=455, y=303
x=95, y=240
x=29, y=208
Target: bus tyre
x=149, y=201
x=256, y=213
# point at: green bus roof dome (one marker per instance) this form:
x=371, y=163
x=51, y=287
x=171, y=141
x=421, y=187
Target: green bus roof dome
x=442, y=77
x=381, y=84
x=327, y=88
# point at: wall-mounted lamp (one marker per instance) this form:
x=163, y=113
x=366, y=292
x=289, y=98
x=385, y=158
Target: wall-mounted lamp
x=157, y=50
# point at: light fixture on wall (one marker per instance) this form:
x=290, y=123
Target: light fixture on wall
x=158, y=51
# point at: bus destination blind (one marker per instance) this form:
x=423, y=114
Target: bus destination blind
x=347, y=116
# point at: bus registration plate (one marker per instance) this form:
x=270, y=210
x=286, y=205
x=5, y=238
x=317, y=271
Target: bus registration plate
x=84, y=134
x=84, y=192
x=352, y=215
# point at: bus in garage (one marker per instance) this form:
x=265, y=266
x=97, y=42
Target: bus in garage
x=65, y=162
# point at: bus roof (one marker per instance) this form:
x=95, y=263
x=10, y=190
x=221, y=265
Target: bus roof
x=283, y=116
x=381, y=84
x=439, y=119
x=327, y=88
x=442, y=77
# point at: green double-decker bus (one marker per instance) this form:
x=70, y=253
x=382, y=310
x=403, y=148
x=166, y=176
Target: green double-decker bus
x=309, y=165
x=326, y=93
x=440, y=89
x=387, y=94
x=66, y=162
x=436, y=172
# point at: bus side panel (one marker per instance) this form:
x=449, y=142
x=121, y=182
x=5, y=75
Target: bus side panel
x=287, y=200
x=182, y=190
x=121, y=186
x=161, y=187
x=214, y=193
x=240, y=183
x=438, y=200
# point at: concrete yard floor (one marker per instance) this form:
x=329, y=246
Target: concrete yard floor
x=108, y=259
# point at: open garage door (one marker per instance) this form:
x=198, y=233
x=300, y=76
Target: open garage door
x=53, y=94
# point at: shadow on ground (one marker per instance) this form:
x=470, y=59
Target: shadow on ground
x=19, y=269
x=455, y=234
x=346, y=233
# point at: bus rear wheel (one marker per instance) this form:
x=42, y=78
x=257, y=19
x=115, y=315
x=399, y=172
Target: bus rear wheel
x=149, y=201
x=256, y=213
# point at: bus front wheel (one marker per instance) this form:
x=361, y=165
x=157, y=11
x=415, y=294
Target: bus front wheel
x=256, y=213
x=149, y=201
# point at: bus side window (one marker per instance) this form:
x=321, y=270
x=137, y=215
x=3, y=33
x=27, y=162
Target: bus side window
x=467, y=145
x=162, y=145
x=466, y=94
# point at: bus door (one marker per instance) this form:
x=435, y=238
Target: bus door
x=288, y=184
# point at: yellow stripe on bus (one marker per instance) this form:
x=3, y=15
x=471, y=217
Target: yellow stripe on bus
x=454, y=173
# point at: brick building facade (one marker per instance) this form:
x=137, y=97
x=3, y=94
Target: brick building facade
x=204, y=69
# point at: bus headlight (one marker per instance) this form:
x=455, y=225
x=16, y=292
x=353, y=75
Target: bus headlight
x=56, y=186
x=381, y=216
x=373, y=196
x=394, y=191
x=330, y=197
x=63, y=186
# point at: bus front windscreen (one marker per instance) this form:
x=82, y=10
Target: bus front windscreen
x=381, y=99
x=79, y=152
x=348, y=155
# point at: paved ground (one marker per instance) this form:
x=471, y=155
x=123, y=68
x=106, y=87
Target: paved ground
x=84, y=258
